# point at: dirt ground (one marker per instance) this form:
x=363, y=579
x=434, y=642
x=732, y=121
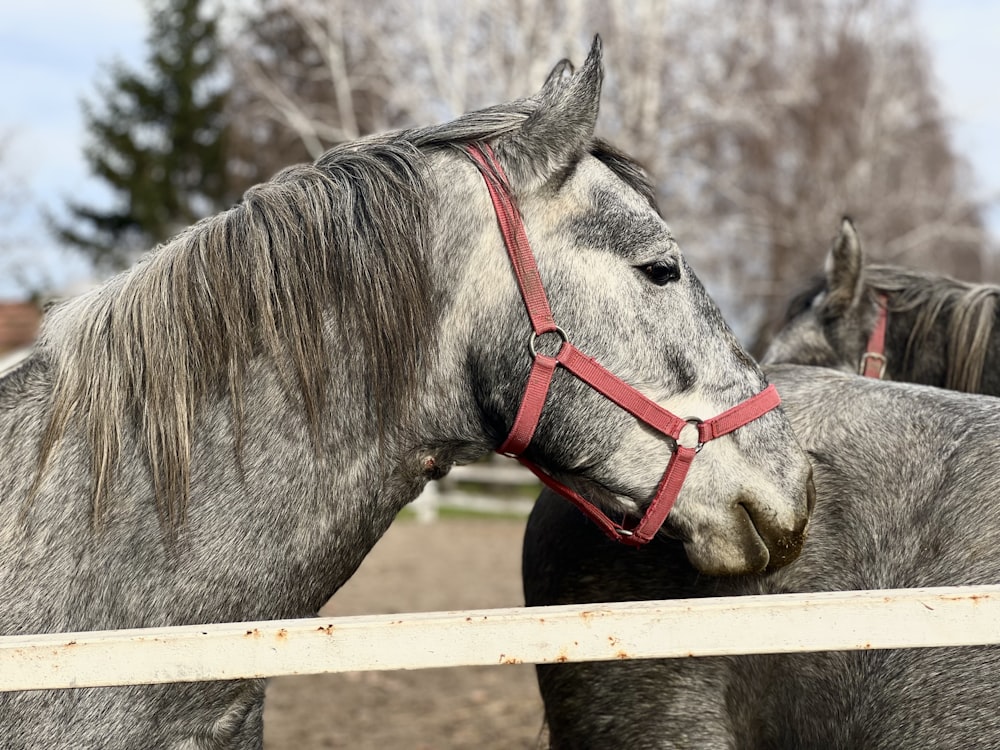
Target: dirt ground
x=446, y=565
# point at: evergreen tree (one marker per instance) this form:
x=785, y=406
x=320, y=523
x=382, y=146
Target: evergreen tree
x=158, y=140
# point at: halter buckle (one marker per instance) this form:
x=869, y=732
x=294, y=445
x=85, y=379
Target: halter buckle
x=863, y=365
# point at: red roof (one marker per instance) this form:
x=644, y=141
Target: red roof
x=19, y=323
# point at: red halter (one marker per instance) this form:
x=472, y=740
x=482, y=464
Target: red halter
x=873, y=360
x=597, y=377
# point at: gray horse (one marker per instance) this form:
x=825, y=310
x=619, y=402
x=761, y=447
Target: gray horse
x=907, y=479
x=938, y=331
x=894, y=498
x=223, y=432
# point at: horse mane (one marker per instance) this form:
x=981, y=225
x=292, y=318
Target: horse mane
x=343, y=237
x=969, y=309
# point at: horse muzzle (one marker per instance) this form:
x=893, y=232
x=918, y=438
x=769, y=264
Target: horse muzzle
x=784, y=547
x=750, y=540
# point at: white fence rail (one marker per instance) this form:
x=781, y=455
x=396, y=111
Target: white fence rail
x=901, y=618
x=495, y=480
x=10, y=360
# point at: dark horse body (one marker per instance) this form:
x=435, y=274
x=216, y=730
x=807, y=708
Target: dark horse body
x=907, y=479
x=222, y=433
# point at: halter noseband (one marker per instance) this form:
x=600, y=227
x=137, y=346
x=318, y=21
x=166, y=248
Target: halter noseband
x=597, y=377
x=873, y=361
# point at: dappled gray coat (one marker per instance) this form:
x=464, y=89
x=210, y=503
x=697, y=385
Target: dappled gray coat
x=908, y=495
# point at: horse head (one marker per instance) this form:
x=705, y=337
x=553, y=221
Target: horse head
x=622, y=294
x=891, y=321
x=829, y=323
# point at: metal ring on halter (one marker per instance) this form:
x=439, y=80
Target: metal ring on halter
x=534, y=336
x=693, y=422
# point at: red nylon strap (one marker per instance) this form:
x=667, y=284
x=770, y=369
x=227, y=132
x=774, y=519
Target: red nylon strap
x=516, y=240
x=645, y=529
x=635, y=403
x=664, y=499
x=597, y=377
x=609, y=385
x=673, y=478
x=873, y=360
x=530, y=410
x=741, y=414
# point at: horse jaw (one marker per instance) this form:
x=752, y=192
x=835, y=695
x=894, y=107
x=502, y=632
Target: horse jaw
x=804, y=341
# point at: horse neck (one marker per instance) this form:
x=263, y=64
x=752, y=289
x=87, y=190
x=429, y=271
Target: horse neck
x=322, y=508
x=953, y=344
x=284, y=514
x=270, y=536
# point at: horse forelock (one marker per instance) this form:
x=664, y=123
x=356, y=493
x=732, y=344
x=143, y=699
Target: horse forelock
x=966, y=310
x=626, y=169
x=343, y=239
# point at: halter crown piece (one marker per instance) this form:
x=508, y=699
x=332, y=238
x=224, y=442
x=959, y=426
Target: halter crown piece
x=597, y=377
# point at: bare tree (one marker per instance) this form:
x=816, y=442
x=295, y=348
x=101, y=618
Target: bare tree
x=311, y=73
x=10, y=192
x=21, y=274
x=764, y=121
x=845, y=121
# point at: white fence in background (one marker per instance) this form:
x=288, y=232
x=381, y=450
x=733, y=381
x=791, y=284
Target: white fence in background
x=907, y=618
x=502, y=486
x=11, y=359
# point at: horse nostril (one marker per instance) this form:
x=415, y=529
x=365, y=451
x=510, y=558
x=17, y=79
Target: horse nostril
x=783, y=542
x=810, y=493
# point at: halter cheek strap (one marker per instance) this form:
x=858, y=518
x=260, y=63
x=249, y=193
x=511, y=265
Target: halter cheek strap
x=873, y=360
x=597, y=377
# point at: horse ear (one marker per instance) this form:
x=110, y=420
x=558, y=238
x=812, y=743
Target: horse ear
x=562, y=125
x=844, y=270
x=560, y=74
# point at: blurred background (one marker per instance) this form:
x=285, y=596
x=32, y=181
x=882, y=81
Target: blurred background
x=762, y=121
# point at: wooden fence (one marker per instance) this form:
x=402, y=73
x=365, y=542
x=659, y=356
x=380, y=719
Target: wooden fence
x=902, y=618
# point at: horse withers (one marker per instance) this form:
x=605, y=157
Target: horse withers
x=936, y=330
x=224, y=431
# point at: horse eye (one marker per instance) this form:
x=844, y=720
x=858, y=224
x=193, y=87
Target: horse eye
x=661, y=272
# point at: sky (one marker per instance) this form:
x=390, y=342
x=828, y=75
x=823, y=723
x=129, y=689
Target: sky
x=53, y=52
